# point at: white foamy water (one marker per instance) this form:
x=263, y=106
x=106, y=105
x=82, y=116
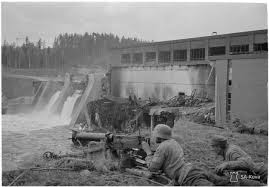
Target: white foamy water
x=26, y=137
x=24, y=123
x=53, y=99
x=68, y=107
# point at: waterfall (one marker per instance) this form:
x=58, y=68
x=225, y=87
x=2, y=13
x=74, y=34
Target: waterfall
x=52, y=100
x=68, y=107
x=47, y=116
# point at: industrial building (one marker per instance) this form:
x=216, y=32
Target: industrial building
x=231, y=69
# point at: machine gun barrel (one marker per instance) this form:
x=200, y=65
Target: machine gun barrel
x=91, y=136
x=118, y=141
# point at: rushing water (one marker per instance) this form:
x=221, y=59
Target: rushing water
x=53, y=99
x=24, y=123
x=68, y=107
x=26, y=136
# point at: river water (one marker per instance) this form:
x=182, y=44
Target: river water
x=25, y=137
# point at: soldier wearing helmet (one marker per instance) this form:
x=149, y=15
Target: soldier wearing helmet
x=169, y=158
x=236, y=159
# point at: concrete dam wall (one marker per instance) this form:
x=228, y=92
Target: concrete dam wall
x=16, y=87
x=162, y=82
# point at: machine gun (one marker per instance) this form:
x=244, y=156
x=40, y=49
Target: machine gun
x=132, y=157
x=128, y=148
x=125, y=147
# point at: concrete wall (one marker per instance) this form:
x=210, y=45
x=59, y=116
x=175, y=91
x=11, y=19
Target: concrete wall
x=151, y=79
x=91, y=93
x=242, y=38
x=221, y=90
x=16, y=87
x=249, y=88
x=161, y=82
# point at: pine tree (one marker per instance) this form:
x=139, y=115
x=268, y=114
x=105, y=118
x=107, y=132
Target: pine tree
x=68, y=50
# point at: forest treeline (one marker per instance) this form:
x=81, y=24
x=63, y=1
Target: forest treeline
x=68, y=50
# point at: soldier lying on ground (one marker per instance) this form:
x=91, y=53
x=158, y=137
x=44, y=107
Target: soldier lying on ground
x=169, y=158
x=236, y=159
x=242, y=128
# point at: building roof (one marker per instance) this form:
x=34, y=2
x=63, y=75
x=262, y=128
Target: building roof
x=193, y=39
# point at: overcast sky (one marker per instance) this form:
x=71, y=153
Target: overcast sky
x=148, y=21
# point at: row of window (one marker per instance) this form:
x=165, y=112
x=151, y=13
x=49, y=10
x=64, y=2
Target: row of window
x=229, y=95
x=195, y=54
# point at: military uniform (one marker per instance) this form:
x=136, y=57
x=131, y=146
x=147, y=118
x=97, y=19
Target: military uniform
x=237, y=159
x=169, y=158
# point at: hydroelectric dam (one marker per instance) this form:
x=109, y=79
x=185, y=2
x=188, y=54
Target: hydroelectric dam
x=40, y=112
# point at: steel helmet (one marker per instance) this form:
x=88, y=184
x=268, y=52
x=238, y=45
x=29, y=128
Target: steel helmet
x=218, y=140
x=162, y=131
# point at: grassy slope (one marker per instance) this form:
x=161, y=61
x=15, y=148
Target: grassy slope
x=195, y=140
x=193, y=137
x=70, y=178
